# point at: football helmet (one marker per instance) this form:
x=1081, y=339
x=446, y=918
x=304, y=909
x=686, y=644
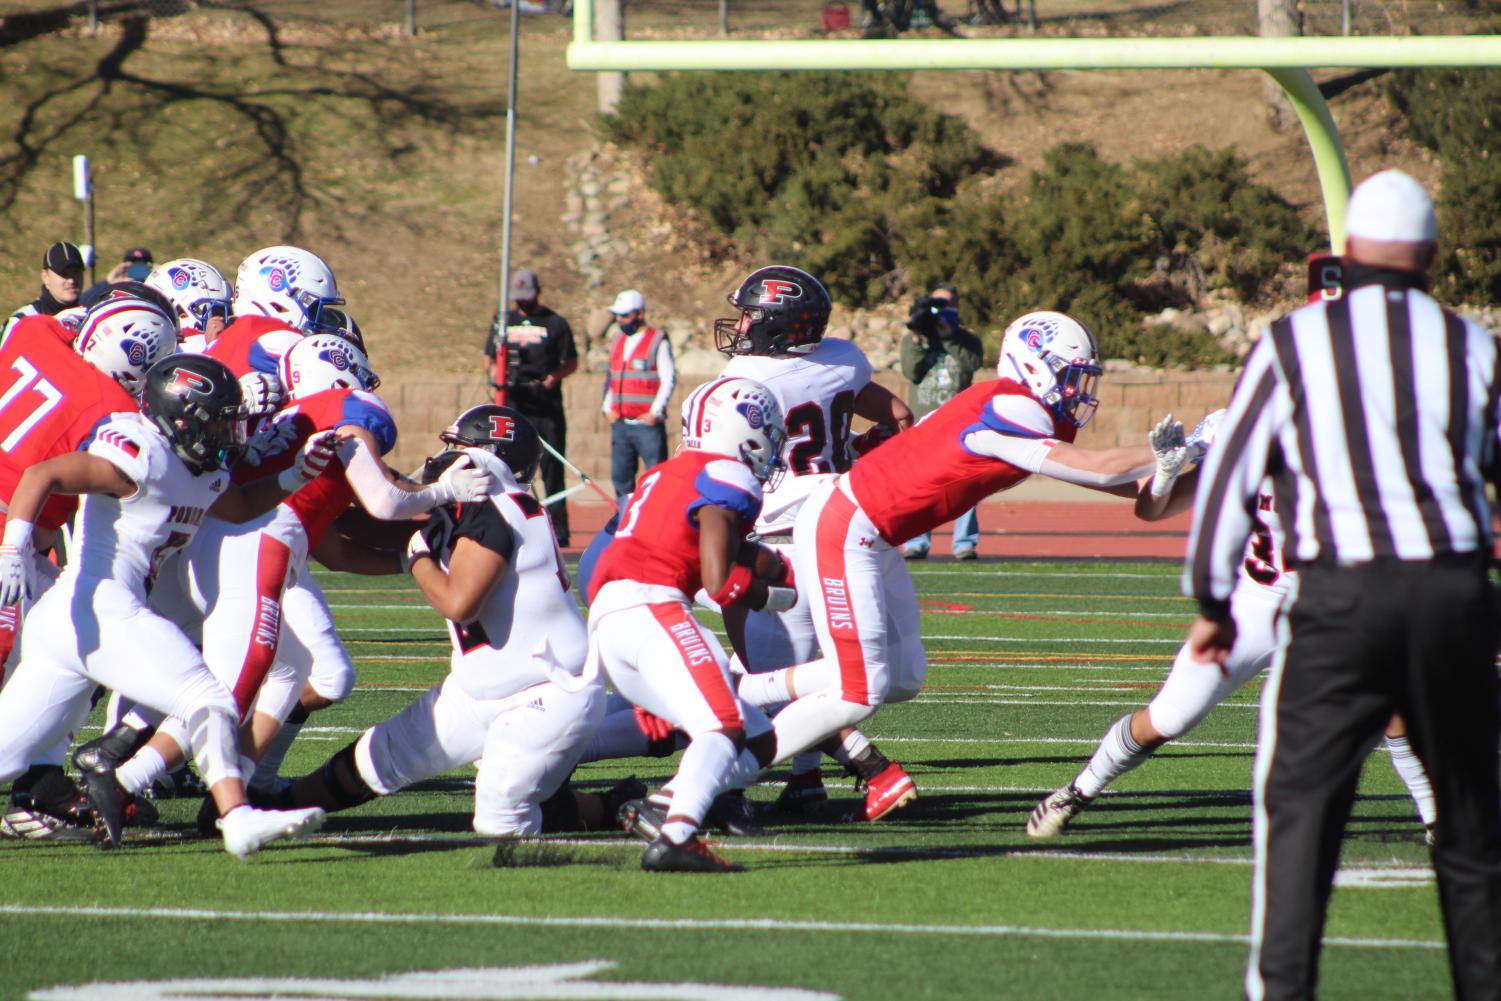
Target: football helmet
x=1056, y=357
x=196, y=289
x=123, y=336
x=780, y=308
x=501, y=431
x=346, y=327
x=288, y=283
x=195, y=401
x=739, y=418
x=1201, y=439
x=324, y=361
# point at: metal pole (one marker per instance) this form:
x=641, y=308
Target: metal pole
x=411, y=18
x=502, y=349
x=88, y=233
x=1324, y=141
x=93, y=24
x=724, y=18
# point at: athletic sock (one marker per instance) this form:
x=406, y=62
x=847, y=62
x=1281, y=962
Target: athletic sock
x=868, y=763
x=265, y=774
x=763, y=690
x=701, y=774
x=144, y=768
x=1410, y=768
x=771, y=688
x=1117, y=754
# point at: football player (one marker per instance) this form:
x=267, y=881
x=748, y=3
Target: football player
x=515, y=700
x=148, y=480
x=849, y=533
x=52, y=400
x=777, y=339
x=683, y=530
x=201, y=296
x=1192, y=689
x=233, y=579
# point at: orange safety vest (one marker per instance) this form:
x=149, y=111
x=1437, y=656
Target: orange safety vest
x=634, y=379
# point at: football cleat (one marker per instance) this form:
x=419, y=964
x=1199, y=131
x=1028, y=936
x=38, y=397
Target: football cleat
x=140, y=812
x=111, y=750
x=620, y=793
x=803, y=795
x=247, y=830
x=891, y=789
x=46, y=805
x=1052, y=815
x=641, y=818
x=731, y=813
x=32, y=824
x=690, y=856
x=107, y=799
x=207, y=821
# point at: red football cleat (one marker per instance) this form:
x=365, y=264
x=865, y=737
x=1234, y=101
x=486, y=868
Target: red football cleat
x=891, y=789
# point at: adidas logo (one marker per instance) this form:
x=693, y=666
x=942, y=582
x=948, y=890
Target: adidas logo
x=537, y=705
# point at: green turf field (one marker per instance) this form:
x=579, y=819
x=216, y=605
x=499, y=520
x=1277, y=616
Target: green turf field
x=1144, y=897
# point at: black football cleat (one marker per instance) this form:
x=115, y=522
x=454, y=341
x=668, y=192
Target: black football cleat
x=207, y=820
x=690, y=856
x=111, y=750
x=641, y=818
x=107, y=800
x=731, y=813
x=621, y=793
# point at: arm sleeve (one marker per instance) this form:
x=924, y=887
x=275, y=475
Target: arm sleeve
x=1016, y=429
x=668, y=370
x=377, y=494
x=1226, y=500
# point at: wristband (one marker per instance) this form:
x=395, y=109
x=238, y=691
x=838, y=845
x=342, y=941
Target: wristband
x=1162, y=485
x=779, y=599
x=18, y=533
x=291, y=479
x=735, y=586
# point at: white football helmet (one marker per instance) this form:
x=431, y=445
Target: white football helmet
x=288, y=283
x=1202, y=437
x=1056, y=357
x=72, y=318
x=738, y=418
x=123, y=336
x=197, y=288
x=324, y=361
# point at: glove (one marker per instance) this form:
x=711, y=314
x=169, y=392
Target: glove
x=260, y=394
x=271, y=438
x=417, y=548
x=1166, y=440
x=317, y=452
x=464, y=482
x=1203, y=436
x=864, y=442
x=783, y=595
x=655, y=727
x=15, y=575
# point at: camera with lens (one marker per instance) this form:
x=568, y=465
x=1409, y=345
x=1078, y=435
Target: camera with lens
x=924, y=318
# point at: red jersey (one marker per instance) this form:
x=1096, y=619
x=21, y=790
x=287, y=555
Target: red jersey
x=253, y=344
x=925, y=476
x=51, y=400
x=317, y=505
x=657, y=541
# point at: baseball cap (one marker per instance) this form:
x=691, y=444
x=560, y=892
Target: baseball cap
x=61, y=256
x=137, y=255
x=524, y=284
x=1391, y=206
x=627, y=302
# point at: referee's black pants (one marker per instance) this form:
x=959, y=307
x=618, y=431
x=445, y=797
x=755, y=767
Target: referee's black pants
x=1367, y=641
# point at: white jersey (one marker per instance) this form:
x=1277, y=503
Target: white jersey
x=1264, y=565
x=817, y=391
x=126, y=539
x=529, y=628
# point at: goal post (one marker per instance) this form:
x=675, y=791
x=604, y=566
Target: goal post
x=1287, y=60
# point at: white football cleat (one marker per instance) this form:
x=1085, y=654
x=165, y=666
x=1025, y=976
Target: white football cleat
x=1052, y=815
x=247, y=830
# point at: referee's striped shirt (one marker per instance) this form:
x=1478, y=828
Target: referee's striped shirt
x=1376, y=417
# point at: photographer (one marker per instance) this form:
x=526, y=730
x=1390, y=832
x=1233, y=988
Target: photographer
x=539, y=355
x=940, y=358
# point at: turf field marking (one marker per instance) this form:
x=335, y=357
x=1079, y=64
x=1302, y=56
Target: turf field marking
x=641, y=923
x=1053, y=574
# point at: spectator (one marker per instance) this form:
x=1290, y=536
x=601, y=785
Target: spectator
x=642, y=376
x=62, y=283
x=539, y=355
x=134, y=266
x=940, y=358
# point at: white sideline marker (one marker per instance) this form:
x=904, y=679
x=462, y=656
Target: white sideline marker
x=683, y=924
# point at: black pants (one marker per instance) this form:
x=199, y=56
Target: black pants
x=1367, y=641
x=553, y=429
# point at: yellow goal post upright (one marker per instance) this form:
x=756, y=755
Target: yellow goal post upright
x=1286, y=59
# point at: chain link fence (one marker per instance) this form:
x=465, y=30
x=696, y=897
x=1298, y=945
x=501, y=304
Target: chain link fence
x=844, y=18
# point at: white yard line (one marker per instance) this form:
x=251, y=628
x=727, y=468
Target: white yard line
x=638, y=923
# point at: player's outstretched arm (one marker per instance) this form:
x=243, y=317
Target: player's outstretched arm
x=339, y=552
x=387, y=495
x=242, y=502
x=1160, y=495
x=458, y=593
x=877, y=403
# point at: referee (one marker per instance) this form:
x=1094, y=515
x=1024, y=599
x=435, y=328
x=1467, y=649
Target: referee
x=1375, y=415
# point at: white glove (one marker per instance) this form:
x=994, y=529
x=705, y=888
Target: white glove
x=317, y=452
x=260, y=393
x=15, y=563
x=271, y=438
x=463, y=482
x=1171, y=453
x=417, y=548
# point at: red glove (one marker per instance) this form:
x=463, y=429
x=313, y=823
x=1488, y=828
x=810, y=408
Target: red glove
x=862, y=443
x=655, y=727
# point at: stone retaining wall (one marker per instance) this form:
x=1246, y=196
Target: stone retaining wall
x=1130, y=402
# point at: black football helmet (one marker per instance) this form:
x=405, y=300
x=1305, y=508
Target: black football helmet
x=195, y=401
x=501, y=431
x=345, y=327
x=780, y=308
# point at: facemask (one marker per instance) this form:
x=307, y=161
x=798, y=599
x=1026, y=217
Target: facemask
x=628, y=326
